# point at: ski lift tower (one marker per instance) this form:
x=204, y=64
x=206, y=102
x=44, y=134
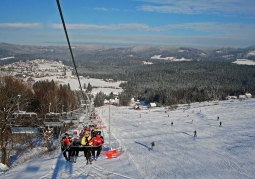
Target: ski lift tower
x=111, y=152
x=18, y=101
x=87, y=103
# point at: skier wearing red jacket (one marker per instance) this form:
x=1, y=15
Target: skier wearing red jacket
x=65, y=147
x=97, y=143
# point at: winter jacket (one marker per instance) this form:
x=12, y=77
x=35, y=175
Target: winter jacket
x=86, y=141
x=66, y=142
x=76, y=142
x=97, y=141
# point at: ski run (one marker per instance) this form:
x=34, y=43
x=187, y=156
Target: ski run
x=222, y=152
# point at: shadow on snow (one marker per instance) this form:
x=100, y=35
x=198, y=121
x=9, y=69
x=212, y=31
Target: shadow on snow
x=60, y=164
x=143, y=145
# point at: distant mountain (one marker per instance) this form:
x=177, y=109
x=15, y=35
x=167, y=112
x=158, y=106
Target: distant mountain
x=89, y=52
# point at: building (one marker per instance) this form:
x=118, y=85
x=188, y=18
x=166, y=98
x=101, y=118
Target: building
x=152, y=105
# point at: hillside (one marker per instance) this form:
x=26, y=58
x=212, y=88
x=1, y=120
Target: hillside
x=177, y=74
x=220, y=152
x=94, y=53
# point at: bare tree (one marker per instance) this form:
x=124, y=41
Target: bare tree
x=14, y=95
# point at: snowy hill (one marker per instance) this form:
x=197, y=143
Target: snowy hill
x=225, y=151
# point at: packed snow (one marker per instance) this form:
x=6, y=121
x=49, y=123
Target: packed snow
x=225, y=151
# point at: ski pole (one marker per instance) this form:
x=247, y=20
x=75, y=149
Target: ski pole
x=68, y=147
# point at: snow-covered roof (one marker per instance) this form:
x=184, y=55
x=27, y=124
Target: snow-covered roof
x=153, y=105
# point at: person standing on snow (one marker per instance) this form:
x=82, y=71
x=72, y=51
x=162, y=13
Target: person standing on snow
x=152, y=145
x=97, y=141
x=195, y=133
x=87, y=144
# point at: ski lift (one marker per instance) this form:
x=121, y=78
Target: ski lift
x=23, y=122
x=24, y=130
x=108, y=151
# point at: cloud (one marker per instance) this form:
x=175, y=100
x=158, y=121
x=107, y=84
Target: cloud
x=20, y=25
x=132, y=26
x=199, y=6
x=161, y=40
x=105, y=9
x=165, y=9
x=206, y=27
x=84, y=26
x=201, y=34
x=133, y=39
x=207, y=34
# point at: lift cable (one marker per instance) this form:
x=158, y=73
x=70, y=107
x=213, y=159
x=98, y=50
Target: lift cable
x=67, y=38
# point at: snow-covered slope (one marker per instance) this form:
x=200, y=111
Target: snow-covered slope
x=225, y=151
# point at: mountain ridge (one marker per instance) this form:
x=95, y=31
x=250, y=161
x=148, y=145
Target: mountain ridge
x=83, y=52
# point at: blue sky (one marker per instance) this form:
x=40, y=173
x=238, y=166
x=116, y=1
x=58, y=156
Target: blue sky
x=197, y=23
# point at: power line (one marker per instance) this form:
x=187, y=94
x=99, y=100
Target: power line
x=67, y=38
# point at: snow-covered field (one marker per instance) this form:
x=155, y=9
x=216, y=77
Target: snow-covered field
x=98, y=84
x=52, y=69
x=6, y=58
x=244, y=62
x=169, y=58
x=220, y=152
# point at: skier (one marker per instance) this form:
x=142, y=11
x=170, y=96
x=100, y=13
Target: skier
x=81, y=134
x=94, y=132
x=220, y=123
x=172, y=123
x=152, y=145
x=85, y=128
x=75, y=149
x=195, y=133
x=65, y=147
x=87, y=144
x=97, y=141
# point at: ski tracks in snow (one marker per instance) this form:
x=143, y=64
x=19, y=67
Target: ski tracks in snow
x=81, y=170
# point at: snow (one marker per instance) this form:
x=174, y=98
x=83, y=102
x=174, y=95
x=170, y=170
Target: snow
x=251, y=53
x=225, y=151
x=6, y=58
x=169, y=58
x=244, y=62
x=3, y=167
x=161, y=58
x=98, y=84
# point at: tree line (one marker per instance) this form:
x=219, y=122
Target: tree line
x=17, y=95
x=170, y=83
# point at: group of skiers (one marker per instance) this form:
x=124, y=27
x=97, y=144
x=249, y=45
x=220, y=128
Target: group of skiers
x=88, y=141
